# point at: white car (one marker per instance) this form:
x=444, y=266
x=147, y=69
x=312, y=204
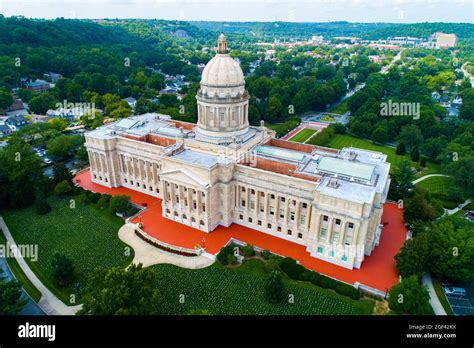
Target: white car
x=455, y=292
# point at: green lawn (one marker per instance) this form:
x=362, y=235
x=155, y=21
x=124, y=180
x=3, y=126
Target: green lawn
x=85, y=234
x=437, y=185
x=18, y=273
x=302, y=135
x=340, y=109
x=239, y=291
x=341, y=140
x=442, y=298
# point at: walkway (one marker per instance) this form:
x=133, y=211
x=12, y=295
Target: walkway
x=416, y=181
x=378, y=270
x=49, y=303
x=149, y=255
x=434, y=301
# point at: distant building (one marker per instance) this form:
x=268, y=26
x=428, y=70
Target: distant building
x=53, y=77
x=201, y=67
x=384, y=46
x=39, y=118
x=444, y=41
x=38, y=86
x=317, y=39
x=16, y=122
x=132, y=102
x=4, y=130
x=269, y=54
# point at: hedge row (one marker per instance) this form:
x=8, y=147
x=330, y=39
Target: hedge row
x=297, y=272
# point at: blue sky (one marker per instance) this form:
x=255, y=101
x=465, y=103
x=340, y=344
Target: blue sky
x=399, y=11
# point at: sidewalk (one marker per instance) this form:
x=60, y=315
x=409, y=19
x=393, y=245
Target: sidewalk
x=49, y=303
x=434, y=301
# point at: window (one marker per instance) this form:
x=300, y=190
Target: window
x=242, y=204
x=323, y=233
x=335, y=237
x=123, y=180
x=269, y=225
x=338, y=222
x=351, y=225
x=185, y=217
x=194, y=205
x=282, y=213
x=279, y=229
x=250, y=219
x=320, y=250
x=300, y=235
x=167, y=211
x=241, y=217
x=289, y=232
x=261, y=207
x=252, y=191
x=272, y=210
x=331, y=253
x=131, y=182
x=201, y=222
x=262, y=194
x=193, y=219
x=292, y=216
x=175, y=213
x=344, y=258
x=252, y=205
x=272, y=196
x=282, y=199
x=304, y=205
x=243, y=189
x=259, y=223
x=302, y=219
x=348, y=240
x=325, y=218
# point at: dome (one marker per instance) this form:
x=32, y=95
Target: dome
x=222, y=70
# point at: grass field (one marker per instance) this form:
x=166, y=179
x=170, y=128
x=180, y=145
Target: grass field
x=340, y=109
x=18, y=273
x=341, y=140
x=239, y=291
x=442, y=298
x=437, y=185
x=302, y=135
x=85, y=234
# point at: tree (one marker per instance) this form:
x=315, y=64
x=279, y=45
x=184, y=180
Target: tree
x=401, y=181
x=62, y=145
x=120, y=204
x=61, y=173
x=274, y=288
x=20, y=174
x=11, y=301
x=401, y=149
x=411, y=136
x=462, y=172
x=380, y=135
x=63, y=187
x=410, y=297
x=412, y=258
x=63, y=269
x=451, y=251
x=6, y=98
x=42, y=206
x=419, y=206
x=274, y=110
x=415, y=154
x=116, y=291
x=41, y=103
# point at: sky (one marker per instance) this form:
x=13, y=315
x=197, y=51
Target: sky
x=396, y=11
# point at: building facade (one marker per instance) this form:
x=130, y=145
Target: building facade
x=222, y=171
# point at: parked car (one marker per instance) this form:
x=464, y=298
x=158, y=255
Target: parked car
x=455, y=292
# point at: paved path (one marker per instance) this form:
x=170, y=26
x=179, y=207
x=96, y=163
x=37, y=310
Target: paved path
x=416, y=181
x=49, y=303
x=458, y=208
x=434, y=301
x=149, y=255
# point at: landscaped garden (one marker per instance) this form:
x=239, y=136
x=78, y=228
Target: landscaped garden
x=85, y=234
x=219, y=290
x=302, y=135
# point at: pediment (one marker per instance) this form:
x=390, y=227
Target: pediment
x=185, y=177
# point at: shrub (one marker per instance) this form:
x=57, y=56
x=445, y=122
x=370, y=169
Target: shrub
x=83, y=198
x=93, y=196
x=347, y=290
x=232, y=259
x=120, y=204
x=247, y=250
x=223, y=256
x=103, y=201
x=63, y=269
x=272, y=265
x=266, y=254
x=42, y=207
x=291, y=268
x=62, y=188
x=274, y=288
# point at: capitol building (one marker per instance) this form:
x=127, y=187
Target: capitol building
x=223, y=171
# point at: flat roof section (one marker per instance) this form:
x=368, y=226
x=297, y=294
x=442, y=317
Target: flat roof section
x=345, y=167
x=279, y=153
x=200, y=158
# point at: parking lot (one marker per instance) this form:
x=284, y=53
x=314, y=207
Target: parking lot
x=461, y=306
